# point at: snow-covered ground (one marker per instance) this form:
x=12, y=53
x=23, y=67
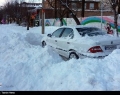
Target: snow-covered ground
x=26, y=66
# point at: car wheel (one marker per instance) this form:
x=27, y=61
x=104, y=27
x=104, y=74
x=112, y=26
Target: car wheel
x=43, y=44
x=73, y=55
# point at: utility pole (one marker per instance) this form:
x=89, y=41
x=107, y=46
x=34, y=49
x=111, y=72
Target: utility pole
x=83, y=8
x=43, y=17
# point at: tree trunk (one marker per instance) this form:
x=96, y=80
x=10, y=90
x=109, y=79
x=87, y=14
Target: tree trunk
x=74, y=16
x=115, y=21
x=71, y=12
x=61, y=21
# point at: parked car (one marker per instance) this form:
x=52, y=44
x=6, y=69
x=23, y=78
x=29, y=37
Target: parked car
x=81, y=41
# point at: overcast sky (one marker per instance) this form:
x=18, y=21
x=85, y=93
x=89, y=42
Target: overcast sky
x=2, y=2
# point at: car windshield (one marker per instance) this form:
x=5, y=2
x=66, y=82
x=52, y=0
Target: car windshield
x=90, y=31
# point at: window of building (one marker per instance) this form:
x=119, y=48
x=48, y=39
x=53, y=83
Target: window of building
x=91, y=5
x=85, y=6
x=74, y=5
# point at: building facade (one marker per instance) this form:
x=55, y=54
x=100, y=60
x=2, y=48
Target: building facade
x=92, y=8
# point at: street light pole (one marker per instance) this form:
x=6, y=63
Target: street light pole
x=43, y=17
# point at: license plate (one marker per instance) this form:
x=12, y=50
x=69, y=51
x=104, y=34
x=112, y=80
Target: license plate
x=110, y=47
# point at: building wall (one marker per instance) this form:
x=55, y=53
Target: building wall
x=49, y=13
x=46, y=5
x=97, y=13
x=77, y=4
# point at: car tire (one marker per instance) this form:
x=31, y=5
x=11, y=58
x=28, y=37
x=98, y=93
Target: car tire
x=43, y=44
x=73, y=55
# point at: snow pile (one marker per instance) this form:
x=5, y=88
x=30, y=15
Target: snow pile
x=26, y=66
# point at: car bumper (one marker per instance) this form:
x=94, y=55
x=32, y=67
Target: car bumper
x=88, y=56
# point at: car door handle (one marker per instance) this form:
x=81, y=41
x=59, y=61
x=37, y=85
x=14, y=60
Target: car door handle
x=55, y=40
x=68, y=42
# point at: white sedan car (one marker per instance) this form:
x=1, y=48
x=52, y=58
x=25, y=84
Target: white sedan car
x=81, y=41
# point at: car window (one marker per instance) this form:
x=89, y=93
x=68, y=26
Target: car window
x=67, y=32
x=90, y=31
x=57, y=33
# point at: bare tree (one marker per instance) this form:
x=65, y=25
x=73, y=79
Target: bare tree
x=63, y=8
x=60, y=12
x=115, y=5
x=106, y=5
x=13, y=11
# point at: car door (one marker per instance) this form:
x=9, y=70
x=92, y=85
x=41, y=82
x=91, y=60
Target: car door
x=65, y=41
x=52, y=41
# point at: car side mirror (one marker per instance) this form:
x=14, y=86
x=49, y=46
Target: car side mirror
x=49, y=35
